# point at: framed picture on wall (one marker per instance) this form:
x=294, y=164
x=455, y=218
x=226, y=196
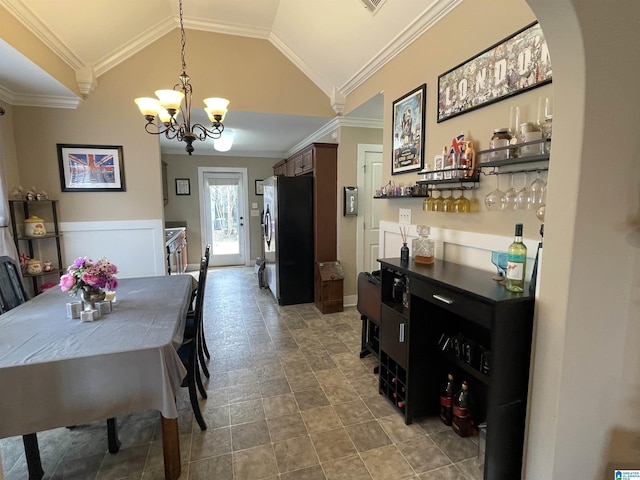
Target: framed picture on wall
x=512, y=66
x=259, y=188
x=91, y=168
x=408, y=131
x=183, y=186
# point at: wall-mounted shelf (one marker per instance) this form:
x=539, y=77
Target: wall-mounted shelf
x=456, y=175
x=459, y=182
x=518, y=161
x=399, y=196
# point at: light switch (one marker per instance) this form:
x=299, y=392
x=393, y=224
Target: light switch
x=255, y=213
x=254, y=205
x=405, y=216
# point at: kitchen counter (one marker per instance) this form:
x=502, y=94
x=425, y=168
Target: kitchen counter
x=171, y=234
x=176, y=248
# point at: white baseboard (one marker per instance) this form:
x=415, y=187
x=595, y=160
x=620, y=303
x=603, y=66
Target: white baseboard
x=350, y=301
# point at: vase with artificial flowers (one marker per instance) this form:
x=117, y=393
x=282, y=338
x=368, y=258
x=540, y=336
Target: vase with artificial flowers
x=90, y=279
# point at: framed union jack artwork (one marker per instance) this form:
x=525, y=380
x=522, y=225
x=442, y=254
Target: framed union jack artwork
x=91, y=168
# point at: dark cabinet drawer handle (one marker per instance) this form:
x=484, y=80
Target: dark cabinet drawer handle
x=446, y=300
x=401, y=338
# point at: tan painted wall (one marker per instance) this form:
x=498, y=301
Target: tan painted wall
x=250, y=72
x=8, y=149
x=350, y=137
x=423, y=61
x=110, y=117
x=187, y=208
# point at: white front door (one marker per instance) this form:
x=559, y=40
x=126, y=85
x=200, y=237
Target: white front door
x=223, y=207
x=369, y=180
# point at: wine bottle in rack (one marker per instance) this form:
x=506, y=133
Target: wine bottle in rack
x=446, y=401
x=461, y=419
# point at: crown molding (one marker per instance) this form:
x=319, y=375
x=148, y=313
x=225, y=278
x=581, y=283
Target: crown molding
x=132, y=47
x=431, y=15
x=36, y=26
x=48, y=101
x=332, y=125
x=152, y=34
x=6, y=95
x=227, y=28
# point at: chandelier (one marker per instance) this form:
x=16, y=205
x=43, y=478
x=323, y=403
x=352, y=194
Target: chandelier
x=162, y=113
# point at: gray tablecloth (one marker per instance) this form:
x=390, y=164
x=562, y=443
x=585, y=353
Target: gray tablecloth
x=56, y=371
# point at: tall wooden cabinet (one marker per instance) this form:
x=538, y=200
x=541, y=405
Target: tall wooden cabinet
x=321, y=161
x=448, y=318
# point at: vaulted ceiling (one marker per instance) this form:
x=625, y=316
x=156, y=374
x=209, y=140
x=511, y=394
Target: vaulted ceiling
x=338, y=44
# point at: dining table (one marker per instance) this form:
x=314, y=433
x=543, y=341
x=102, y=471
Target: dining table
x=57, y=371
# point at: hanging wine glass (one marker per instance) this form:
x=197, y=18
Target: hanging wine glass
x=524, y=196
x=437, y=202
x=429, y=202
x=495, y=200
x=538, y=191
x=462, y=204
x=447, y=204
x=511, y=196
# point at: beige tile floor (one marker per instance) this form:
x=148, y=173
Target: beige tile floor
x=288, y=398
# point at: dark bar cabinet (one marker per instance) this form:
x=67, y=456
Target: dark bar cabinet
x=448, y=318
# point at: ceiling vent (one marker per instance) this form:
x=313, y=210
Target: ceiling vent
x=373, y=5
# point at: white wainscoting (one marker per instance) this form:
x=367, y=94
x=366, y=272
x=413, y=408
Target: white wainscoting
x=465, y=248
x=137, y=247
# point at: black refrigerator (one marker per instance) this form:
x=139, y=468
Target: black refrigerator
x=288, y=238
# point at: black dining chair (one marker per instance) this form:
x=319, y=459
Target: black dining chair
x=189, y=351
x=203, y=351
x=203, y=343
x=12, y=294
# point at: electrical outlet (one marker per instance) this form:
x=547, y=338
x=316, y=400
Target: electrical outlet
x=405, y=216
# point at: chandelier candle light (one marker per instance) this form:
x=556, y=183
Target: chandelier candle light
x=165, y=109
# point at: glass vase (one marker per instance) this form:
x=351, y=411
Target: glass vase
x=90, y=296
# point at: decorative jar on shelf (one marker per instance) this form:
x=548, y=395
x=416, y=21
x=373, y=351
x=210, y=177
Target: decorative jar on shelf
x=34, y=267
x=423, y=247
x=34, y=227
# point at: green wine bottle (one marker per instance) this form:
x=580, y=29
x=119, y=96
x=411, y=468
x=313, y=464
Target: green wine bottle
x=516, y=262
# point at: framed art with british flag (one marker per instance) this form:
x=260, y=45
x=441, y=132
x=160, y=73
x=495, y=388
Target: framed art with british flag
x=91, y=168
x=408, y=131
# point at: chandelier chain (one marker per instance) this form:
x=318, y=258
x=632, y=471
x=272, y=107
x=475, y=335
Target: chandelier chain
x=183, y=39
x=173, y=127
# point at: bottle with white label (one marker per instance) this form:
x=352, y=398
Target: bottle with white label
x=516, y=262
x=439, y=164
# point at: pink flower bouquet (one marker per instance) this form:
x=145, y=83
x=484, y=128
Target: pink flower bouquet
x=84, y=272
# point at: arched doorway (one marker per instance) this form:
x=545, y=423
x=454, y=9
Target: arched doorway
x=586, y=367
